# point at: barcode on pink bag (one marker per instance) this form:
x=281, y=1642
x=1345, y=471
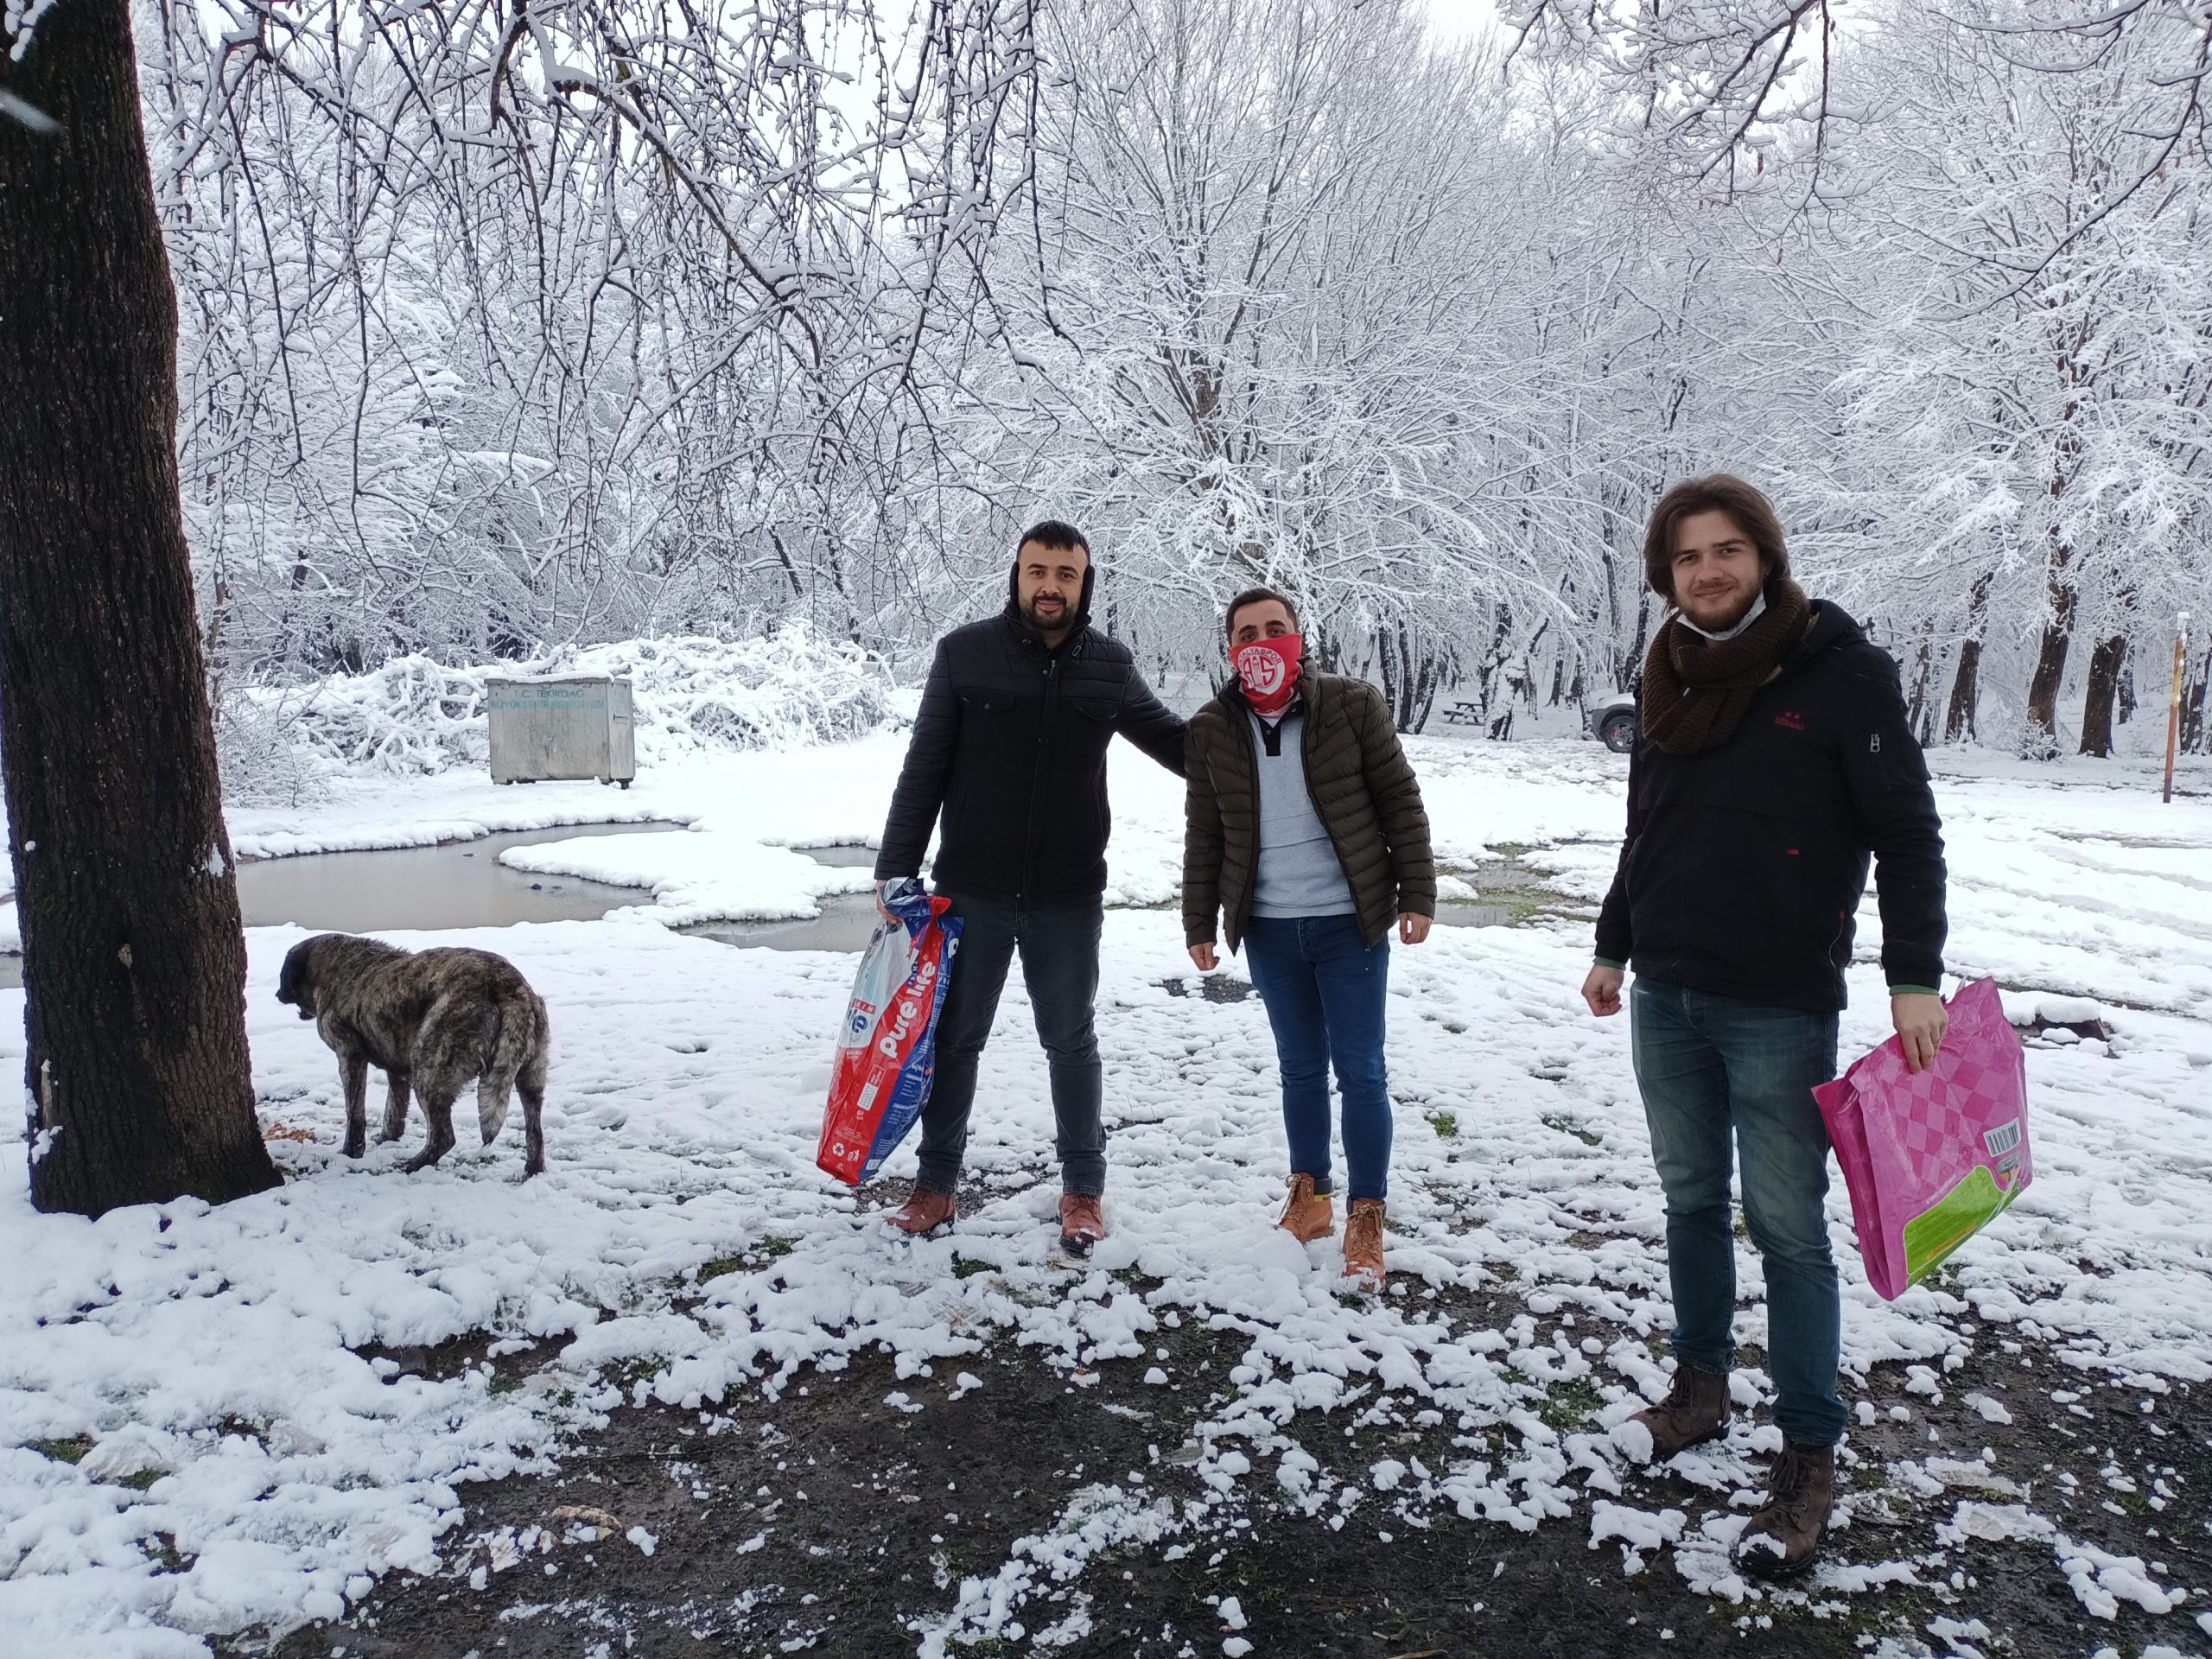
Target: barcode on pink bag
x=2002, y=1139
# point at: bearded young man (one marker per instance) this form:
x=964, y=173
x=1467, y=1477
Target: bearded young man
x=1773, y=760
x=1010, y=753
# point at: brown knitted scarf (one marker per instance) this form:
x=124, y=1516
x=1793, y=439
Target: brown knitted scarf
x=1695, y=689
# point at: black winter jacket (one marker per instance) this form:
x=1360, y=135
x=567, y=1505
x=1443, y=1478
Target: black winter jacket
x=1743, y=866
x=1010, y=745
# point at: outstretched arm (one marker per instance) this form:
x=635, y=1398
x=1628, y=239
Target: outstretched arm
x=1148, y=722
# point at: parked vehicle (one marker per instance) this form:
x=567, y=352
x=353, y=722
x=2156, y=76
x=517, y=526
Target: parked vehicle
x=1611, y=717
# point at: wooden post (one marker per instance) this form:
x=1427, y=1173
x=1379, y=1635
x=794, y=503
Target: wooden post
x=2173, y=707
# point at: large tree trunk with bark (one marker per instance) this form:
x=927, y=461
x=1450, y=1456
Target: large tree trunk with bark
x=2105, y=663
x=1966, y=683
x=134, y=965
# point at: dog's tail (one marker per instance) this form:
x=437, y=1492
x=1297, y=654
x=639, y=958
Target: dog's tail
x=514, y=1045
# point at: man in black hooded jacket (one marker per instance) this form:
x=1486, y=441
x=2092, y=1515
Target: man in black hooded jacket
x=1010, y=753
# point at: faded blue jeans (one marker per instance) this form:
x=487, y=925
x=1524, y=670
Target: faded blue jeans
x=1326, y=991
x=1706, y=1066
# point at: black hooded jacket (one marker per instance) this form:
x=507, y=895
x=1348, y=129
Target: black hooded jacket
x=1743, y=866
x=1010, y=746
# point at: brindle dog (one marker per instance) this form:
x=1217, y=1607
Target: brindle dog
x=432, y=1020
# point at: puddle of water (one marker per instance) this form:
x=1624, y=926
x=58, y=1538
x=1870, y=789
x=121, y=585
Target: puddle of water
x=455, y=884
x=847, y=923
x=840, y=858
x=1502, y=877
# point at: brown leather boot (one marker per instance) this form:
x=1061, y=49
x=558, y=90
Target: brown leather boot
x=1083, y=1222
x=1694, y=1411
x=1784, y=1533
x=1306, y=1214
x=924, y=1213
x=1363, y=1244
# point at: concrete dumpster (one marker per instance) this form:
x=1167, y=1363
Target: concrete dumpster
x=577, y=726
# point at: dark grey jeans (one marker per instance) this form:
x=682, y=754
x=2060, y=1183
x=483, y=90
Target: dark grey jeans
x=1060, y=964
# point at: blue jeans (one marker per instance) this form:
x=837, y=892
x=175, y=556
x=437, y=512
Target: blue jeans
x=1327, y=993
x=1060, y=964
x=1706, y=1065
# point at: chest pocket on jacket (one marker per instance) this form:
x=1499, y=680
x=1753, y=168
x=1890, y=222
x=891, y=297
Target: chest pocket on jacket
x=1100, y=709
x=985, y=699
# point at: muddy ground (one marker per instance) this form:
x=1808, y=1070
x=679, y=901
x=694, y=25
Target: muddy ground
x=840, y=1518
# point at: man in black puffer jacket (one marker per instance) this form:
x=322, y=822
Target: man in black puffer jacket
x=1009, y=750
x=1774, y=761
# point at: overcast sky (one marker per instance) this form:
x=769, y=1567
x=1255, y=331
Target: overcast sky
x=1462, y=17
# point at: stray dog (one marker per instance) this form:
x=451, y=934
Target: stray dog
x=431, y=1020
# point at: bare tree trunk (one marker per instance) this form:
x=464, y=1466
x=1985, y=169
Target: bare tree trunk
x=2194, y=732
x=1966, y=683
x=1920, y=712
x=2040, y=740
x=134, y=966
x=2105, y=663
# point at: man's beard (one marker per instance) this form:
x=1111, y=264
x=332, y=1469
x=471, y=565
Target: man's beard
x=1738, y=606
x=1060, y=620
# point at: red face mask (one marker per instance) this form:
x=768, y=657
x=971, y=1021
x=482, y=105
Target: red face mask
x=1269, y=668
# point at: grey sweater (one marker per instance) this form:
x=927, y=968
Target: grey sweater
x=1299, y=872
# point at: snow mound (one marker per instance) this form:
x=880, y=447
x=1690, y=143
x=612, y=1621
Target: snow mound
x=413, y=715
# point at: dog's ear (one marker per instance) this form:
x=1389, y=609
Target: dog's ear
x=292, y=978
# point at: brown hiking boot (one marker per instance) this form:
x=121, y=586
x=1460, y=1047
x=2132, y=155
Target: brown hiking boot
x=1083, y=1222
x=1363, y=1244
x=1306, y=1214
x=924, y=1213
x=1694, y=1411
x=1784, y=1533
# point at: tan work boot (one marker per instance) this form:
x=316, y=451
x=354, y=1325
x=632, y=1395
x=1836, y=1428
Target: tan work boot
x=1083, y=1222
x=1363, y=1244
x=1694, y=1411
x=1783, y=1534
x=1306, y=1214
x=923, y=1214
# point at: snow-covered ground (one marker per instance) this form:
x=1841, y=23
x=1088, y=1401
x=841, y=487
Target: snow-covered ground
x=247, y=1466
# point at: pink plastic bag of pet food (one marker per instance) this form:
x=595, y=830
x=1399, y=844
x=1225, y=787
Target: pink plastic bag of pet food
x=886, y=1053
x=1931, y=1159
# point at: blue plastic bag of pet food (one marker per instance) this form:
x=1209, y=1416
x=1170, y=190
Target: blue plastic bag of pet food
x=887, y=1052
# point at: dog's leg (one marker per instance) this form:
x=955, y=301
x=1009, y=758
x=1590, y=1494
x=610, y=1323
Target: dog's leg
x=354, y=1072
x=437, y=1107
x=395, y=1107
x=531, y=1084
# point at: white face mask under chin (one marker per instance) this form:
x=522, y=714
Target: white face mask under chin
x=1758, y=609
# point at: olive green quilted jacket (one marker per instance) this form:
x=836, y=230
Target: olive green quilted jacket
x=1363, y=788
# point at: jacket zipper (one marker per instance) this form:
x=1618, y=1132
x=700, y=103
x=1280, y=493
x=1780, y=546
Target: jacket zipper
x=1037, y=781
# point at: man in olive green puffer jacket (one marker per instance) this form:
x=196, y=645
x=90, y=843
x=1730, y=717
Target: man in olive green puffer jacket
x=1305, y=836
